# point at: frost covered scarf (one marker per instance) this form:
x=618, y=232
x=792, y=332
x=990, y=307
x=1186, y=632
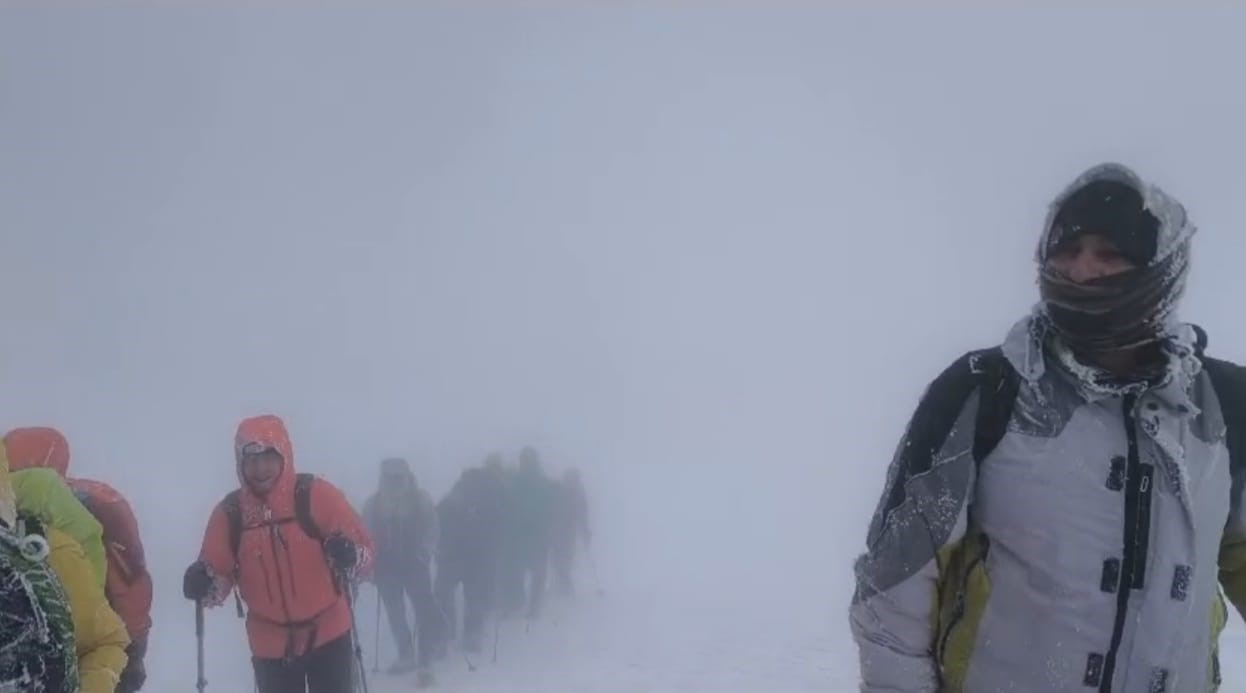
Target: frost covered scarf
x=1123, y=311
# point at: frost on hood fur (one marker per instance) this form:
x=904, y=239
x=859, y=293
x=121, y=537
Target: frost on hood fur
x=1030, y=340
x=1175, y=228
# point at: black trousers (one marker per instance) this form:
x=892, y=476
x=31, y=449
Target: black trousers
x=562, y=555
x=417, y=585
x=523, y=580
x=477, y=579
x=329, y=668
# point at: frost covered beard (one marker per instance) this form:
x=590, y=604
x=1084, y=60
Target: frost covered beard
x=1117, y=312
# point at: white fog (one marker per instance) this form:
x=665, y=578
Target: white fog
x=710, y=254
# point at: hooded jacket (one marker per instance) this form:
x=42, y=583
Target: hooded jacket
x=571, y=513
x=403, y=523
x=99, y=635
x=127, y=582
x=45, y=495
x=529, y=514
x=294, y=601
x=470, y=519
x=1085, y=552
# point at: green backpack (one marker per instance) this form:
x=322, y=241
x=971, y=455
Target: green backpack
x=37, y=649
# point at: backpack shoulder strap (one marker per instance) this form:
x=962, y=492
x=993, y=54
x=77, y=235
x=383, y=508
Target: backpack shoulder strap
x=1229, y=381
x=233, y=514
x=998, y=384
x=302, y=512
x=84, y=497
x=31, y=524
x=302, y=506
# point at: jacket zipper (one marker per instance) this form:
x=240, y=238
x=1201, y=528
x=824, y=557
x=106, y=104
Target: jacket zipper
x=281, y=581
x=958, y=614
x=294, y=588
x=1137, y=534
x=259, y=556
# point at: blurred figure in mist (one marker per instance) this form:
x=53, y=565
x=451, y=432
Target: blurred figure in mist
x=526, y=536
x=470, y=518
x=570, y=528
x=403, y=522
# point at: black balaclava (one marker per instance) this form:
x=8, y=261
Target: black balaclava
x=1123, y=311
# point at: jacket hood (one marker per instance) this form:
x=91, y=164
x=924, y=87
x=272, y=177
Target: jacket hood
x=1175, y=229
x=398, y=465
x=38, y=446
x=269, y=431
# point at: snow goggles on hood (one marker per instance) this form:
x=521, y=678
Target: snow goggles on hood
x=254, y=449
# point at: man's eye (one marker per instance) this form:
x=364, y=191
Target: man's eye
x=1065, y=252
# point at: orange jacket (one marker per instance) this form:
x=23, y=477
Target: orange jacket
x=127, y=584
x=282, y=574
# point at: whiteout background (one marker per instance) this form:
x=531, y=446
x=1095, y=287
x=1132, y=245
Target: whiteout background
x=710, y=254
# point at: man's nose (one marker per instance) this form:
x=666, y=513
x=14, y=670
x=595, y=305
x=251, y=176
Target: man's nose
x=1082, y=269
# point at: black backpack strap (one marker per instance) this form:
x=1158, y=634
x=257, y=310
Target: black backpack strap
x=302, y=512
x=998, y=384
x=302, y=506
x=1229, y=381
x=31, y=524
x=231, y=506
x=233, y=515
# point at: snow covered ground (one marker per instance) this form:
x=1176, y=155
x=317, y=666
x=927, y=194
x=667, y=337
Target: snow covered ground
x=619, y=643
x=615, y=643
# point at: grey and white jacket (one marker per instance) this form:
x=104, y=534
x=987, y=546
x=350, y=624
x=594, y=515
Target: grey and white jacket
x=1085, y=550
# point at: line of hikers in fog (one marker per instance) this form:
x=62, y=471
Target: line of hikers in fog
x=75, y=592
x=493, y=535
x=291, y=548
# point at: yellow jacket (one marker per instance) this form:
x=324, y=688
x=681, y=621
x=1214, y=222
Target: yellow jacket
x=100, y=635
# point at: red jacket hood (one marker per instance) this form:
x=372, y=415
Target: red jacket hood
x=38, y=446
x=270, y=431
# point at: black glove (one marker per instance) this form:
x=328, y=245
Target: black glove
x=197, y=583
x=341, y=553
x=135, y=673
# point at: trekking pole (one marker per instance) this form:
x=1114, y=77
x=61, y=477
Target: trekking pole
x=202, y=682
x=376, y=640
x=445, y=621
x=497, y=633
x=349, y=592
x=592, y=562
